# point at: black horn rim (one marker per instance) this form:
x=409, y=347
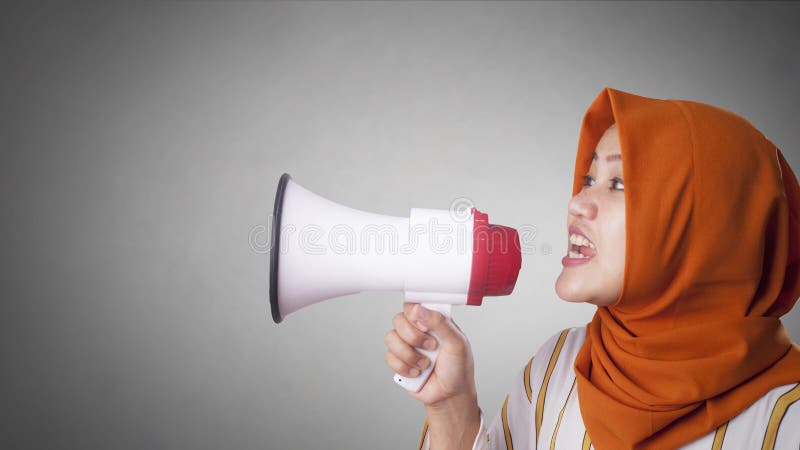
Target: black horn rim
x=274, y=246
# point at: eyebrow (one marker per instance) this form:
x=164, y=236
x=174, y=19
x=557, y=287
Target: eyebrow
x=609, y=158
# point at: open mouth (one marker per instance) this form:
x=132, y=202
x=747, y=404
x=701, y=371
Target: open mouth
x=580, y=247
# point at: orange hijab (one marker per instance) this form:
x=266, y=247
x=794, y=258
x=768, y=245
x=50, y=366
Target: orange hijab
x=712, y=261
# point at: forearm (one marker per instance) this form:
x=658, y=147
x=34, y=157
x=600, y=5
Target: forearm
x=453, y=425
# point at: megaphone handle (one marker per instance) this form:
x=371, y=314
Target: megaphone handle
x=415, y=384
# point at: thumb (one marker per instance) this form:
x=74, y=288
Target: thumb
x=445, y=329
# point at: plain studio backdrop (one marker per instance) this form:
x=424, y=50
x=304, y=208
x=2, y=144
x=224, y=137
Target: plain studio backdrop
x=142, y=145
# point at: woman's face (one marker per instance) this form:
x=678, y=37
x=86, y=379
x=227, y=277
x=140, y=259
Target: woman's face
x=595, y=260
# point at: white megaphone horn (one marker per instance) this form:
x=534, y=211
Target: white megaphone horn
x=320, y=250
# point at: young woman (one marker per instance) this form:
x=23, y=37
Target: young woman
x=691, y=258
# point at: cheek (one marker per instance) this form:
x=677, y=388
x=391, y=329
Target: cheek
x=618, y=233
x=614, y=238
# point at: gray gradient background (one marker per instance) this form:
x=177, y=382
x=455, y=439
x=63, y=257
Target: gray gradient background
x=142, y=143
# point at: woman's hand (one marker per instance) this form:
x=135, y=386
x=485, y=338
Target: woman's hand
x=449, y=395
x=453, y=377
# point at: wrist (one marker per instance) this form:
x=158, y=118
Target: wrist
x=454, y=423
x=453, y=406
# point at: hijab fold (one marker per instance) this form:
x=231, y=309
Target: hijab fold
x=712, y=262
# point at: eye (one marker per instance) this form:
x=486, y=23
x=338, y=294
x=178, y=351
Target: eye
x=617, y=182
x=588, y=180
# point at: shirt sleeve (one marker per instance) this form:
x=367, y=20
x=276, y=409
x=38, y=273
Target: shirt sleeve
x=511, y=426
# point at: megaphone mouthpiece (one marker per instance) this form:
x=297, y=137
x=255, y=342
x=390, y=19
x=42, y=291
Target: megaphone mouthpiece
x=496, y=259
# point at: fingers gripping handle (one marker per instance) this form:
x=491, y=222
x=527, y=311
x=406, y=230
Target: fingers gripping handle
x=415, y=384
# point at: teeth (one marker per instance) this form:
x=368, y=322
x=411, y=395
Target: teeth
x=577, y=255
x=579, y=240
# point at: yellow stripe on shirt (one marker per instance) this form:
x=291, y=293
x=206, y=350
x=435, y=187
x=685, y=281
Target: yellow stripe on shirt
x=561, y=416
x=543, y=389
x=509, y=442
x=783, y=403
x=719, y=436
x=424, y=432
x=587, y=443
x=527, y=380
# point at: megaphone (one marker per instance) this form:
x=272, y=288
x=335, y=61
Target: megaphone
x=321, y=250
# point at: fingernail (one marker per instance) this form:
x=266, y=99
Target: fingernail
x=422, y=363
x=414, y=372
x=429, y=344
x=422, y=313
x=421, y=326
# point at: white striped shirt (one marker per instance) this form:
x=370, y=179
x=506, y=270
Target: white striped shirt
x=541, y=411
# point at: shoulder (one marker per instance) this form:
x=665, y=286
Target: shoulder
x=552, y=361
x=772, y=421
x=550, y=369
x=560, y=347
x=542, y=384
x=550, y=379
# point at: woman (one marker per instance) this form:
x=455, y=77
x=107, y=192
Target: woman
x=691, y=258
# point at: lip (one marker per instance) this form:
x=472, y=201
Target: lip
x=572, y=262
x=576, y=230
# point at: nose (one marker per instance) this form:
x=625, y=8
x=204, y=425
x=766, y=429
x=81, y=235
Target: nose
x=582, y=205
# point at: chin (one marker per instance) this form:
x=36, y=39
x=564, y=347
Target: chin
x=571, y=290
x=583, y=284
